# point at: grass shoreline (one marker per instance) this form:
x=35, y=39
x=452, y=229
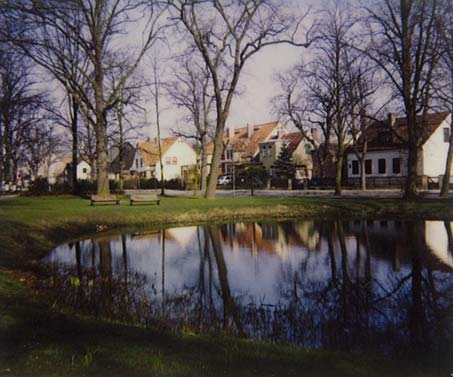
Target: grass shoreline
x=30, y=227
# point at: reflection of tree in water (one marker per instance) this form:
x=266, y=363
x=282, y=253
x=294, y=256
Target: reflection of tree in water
x=97, y=290
x=354, y=310
x=356, y=306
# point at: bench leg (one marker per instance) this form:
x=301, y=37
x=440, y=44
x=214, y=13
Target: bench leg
x=91, y=203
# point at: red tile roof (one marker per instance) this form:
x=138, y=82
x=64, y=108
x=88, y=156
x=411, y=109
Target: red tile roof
x=382, y=136
x=294, y=139
x=242, y=143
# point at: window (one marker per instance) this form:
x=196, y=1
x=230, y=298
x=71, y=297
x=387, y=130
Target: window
x=355, y=167
x=396, y=165
x=381, y=166
x=229, y=154
x=141, y=162
x=167, y=160
x=368, y=167
x=446, y=134
x=136, y=163
x=84, y=170
x=385, y=137
x=175, y=160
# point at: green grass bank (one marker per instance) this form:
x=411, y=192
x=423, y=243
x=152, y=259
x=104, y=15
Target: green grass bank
x=41, y=339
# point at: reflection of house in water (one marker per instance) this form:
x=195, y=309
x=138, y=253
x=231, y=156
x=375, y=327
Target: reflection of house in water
x=245, y=235
x=276, y=238
x=388, y=239
x=183, y=236
x=439, y=240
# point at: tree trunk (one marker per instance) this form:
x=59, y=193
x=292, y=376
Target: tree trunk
x=411, y=182
x=156, y=104
x=120, y=151
x=6, y=151
x=102, y=158
x=74, y=121
x=362, y=175
x=121, y=172
x=204, y=167
x=446, y=179
x=1, y=153
x=216, y=156
x=338, y=174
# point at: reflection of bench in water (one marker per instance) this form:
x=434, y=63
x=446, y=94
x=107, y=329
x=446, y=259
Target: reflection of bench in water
x=104, y=199
x=144, y=198
x=145, y=234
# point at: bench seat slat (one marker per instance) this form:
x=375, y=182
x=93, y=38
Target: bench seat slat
x=104, y=199
x=144, y=198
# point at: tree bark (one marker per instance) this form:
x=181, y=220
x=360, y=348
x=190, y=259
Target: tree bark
x=446, y=179
x=339, y=169
x=102, y=158
x=204, y=165
x=362, y=174
x=411, y=182
x=75, y=148
x=216, y=157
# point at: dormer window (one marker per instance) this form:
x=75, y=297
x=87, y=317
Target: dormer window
x=385, y=137
x=446, y=135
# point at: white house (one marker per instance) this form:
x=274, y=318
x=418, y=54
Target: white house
x=177, y=157
x=386, y=154
x=58, y=169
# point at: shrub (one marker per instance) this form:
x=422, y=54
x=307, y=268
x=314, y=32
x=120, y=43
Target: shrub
x=38, y=187
x=256, y=175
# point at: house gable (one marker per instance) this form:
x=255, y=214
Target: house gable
x=435, y=149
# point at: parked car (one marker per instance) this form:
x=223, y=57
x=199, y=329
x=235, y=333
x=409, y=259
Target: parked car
x=224, y=180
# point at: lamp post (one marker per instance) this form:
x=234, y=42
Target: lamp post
x=234, y=173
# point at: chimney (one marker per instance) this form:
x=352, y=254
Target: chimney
x=249, y=130
x=391, y=120
x=315, y=135
x=230, y=132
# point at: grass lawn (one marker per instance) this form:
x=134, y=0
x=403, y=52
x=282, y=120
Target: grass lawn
x=39, y=339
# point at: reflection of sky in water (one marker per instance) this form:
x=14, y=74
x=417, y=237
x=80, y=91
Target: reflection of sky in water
x=289, y=253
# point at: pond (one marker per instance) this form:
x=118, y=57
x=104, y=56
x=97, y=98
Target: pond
x=362, y=286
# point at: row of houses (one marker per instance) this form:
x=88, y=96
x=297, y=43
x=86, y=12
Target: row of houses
x=385, y=143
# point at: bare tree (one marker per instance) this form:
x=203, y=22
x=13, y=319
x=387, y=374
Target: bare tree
x=156, y=94
x=320, y=92
x=363, y=85
x=404, y=43
x=103, y=25
x=41, y=144
x=125, y=119
x=227, y=34
x=22, y=107
x=191, y=91
x=294, y=104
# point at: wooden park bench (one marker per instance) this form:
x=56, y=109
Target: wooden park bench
x=104, y=199
x=149, y=198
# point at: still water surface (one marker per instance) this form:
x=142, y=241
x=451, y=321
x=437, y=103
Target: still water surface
x=379, y=286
